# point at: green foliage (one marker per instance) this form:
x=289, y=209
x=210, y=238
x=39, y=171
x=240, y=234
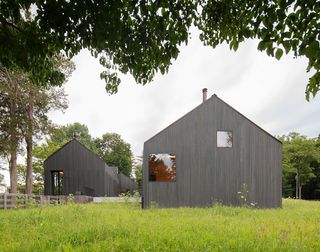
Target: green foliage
x=63, y=134
x=14, y=87
x=290, y=25
x=31, y=201
x=244, y=197
x=24, y=111
x=301, y=156
x=143, y=37
x=139, y=38
x=70, y=199
x=21, y=179
x=125, y=227
x=129, y=197
x=115, y=152
x=125, y=197
x=37, y=177
x=138, y=175
x=59, y=136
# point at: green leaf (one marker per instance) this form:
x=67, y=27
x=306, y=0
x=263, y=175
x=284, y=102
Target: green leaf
x=279, y=53
x=262, y=45
x=231, y=45
x=270, y=51
x=235, y=45
x=287, y=46
x=163, y=11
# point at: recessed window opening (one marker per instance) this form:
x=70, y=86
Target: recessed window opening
x=162, y=167
x=57, y=182
x=224, y=139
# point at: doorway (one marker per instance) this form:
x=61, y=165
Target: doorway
x=57, y=182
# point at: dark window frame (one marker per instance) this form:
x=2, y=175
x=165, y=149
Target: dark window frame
x=224, y=130
x=154, y=180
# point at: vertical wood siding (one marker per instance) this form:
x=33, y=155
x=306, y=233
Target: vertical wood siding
x=206, y=173
x=126, y=184
x=112, y=185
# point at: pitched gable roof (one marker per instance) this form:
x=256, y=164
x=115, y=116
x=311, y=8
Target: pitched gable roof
x=214, y=96
x=68, y=143
x=246, y=118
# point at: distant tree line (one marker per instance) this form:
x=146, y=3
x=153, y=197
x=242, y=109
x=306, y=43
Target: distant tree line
x=301, y=166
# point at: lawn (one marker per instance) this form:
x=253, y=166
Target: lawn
x=125, y=227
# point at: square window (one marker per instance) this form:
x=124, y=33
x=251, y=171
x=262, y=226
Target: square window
x=224, y=139
x=162, y=167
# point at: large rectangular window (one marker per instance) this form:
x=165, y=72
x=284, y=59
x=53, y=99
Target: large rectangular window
x=224, y=139
x=57, y=182
x=162, y=167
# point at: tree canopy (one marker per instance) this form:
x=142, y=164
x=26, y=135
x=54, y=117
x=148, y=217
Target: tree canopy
x=24, y=109
x=115, y=152
x=301, y=163
x=142, y=37
x=63, y=134
x=137, y=170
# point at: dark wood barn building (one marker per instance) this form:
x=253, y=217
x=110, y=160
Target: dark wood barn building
x=207, y=156
x=74, y=169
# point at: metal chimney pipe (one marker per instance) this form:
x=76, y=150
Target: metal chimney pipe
x=204, y=94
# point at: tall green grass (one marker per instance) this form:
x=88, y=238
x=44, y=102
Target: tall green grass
x=125, y=227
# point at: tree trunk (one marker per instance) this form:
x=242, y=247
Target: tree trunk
x=28, y=139
x=300, y=187
x=13, y=169
x=29, y=165
x=297, y=186
x=14, y=140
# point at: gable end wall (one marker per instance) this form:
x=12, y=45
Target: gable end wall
x=207, y=174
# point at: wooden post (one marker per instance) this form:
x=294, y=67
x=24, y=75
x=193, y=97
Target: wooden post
x=5, y=201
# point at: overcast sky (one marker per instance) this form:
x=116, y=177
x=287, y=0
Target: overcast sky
x=267, y=91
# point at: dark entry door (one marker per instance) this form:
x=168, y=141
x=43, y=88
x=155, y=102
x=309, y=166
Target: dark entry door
x=57, y=182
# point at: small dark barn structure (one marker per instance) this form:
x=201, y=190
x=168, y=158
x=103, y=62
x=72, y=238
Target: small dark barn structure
x=210, y=155
x=74, y=169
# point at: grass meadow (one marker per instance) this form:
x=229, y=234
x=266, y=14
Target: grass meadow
x=125, y=227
